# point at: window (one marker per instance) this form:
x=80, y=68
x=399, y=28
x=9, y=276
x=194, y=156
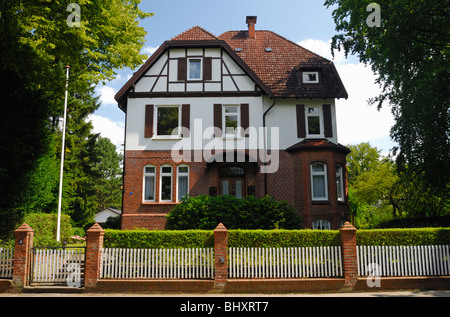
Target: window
x=339, y=184
x=194, y=69
x=313, y=126
x=321, y=224
x=231, y=120
x=166, y=183
x=319, y=188
x=310, y=77
x=149, y=183
x=168, y=120
x=183, y=181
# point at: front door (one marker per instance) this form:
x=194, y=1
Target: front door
x=232, y=181
x=233, y=186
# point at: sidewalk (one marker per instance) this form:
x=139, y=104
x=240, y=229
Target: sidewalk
x=415, y=293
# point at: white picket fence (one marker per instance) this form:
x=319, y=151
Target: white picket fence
x=189, y=263
x=423, y=260
x=56, y=265
x=285, y=262
x=6, y=262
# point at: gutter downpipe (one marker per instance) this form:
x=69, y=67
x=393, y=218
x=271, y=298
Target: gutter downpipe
x=265, y=150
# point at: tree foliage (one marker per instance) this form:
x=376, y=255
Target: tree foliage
x=409, y=52
x=36, y=42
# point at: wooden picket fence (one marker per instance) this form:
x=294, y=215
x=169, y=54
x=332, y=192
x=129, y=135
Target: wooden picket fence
x=56, y=265
x=285, y=262
x=422, y=260
x=6, y=262
x=189, y=263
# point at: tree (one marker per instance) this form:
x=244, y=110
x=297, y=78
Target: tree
x=106, y=174
x=36, y=42
x=362, y=158
x=409, y=52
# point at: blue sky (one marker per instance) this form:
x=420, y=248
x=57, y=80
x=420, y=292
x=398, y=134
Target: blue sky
x=307, y=23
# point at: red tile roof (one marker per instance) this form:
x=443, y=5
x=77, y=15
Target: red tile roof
x=279, y=67
x=195, y=33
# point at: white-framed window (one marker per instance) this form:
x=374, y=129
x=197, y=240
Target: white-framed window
x=321, y=224
x=231, y=120
x=168, y=121
x=339, y=183
x=195, y=69
x=182, y=181
x=165, y=183
x=149, y=183
x=310, y=77
x=319, y=188
x=314, y=126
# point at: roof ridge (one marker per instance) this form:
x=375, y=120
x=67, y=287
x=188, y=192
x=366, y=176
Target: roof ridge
x=180, y=37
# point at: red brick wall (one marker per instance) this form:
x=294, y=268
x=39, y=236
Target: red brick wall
x=291, y=182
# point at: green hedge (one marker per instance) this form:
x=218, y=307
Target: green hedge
x=158, y=239
x=411, y=236
x=283, y=238
x=271, y=238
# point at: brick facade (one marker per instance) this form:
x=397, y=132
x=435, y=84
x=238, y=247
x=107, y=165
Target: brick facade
x=291, y=182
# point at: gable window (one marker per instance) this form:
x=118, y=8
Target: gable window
x=182, y=181
x=313, y=120
x=166, y=183
x=149, y=183
x=339, y=183
x=310, y=77
x=319, y=188
x=167, y=120
x=231, y=120
x=194, y=69
x=321, y=224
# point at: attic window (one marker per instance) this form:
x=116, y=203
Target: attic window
x=268, y=49
x=310, y=77
x=238, y=49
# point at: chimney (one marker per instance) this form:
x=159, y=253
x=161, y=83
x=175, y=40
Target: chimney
x=251, y=21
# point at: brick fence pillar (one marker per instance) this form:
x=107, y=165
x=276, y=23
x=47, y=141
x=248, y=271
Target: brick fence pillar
x=348, y=240
x=22, y=256
x=94, y=246
x=220, y=257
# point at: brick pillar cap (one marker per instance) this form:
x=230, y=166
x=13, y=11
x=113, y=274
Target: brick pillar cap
x=221, y=227
x=96, y=228
x=25, y=227
x=348, y=227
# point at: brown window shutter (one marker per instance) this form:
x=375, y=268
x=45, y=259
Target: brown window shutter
x=328, y=129
x=207, y=68
x=182, y=64
x=148, y=133
x=244, y=117
x=185, y=119
x=218, y=120
x=301, y=128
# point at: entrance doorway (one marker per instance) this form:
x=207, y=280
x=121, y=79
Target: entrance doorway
x=232, y=181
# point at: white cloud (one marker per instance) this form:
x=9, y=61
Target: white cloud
x=149, y=50
x=109, y=129
x=323, y=49
x=107, y=94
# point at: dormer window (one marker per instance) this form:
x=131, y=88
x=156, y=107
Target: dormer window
x=310, y=77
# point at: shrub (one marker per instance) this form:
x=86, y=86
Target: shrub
x=44, y=226
x=415, y=236
x=206, y=212
x=158, y=239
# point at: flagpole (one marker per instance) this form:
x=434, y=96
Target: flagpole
x=58, y=229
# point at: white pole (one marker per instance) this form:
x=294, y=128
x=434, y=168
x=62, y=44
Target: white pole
x=58, y=229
